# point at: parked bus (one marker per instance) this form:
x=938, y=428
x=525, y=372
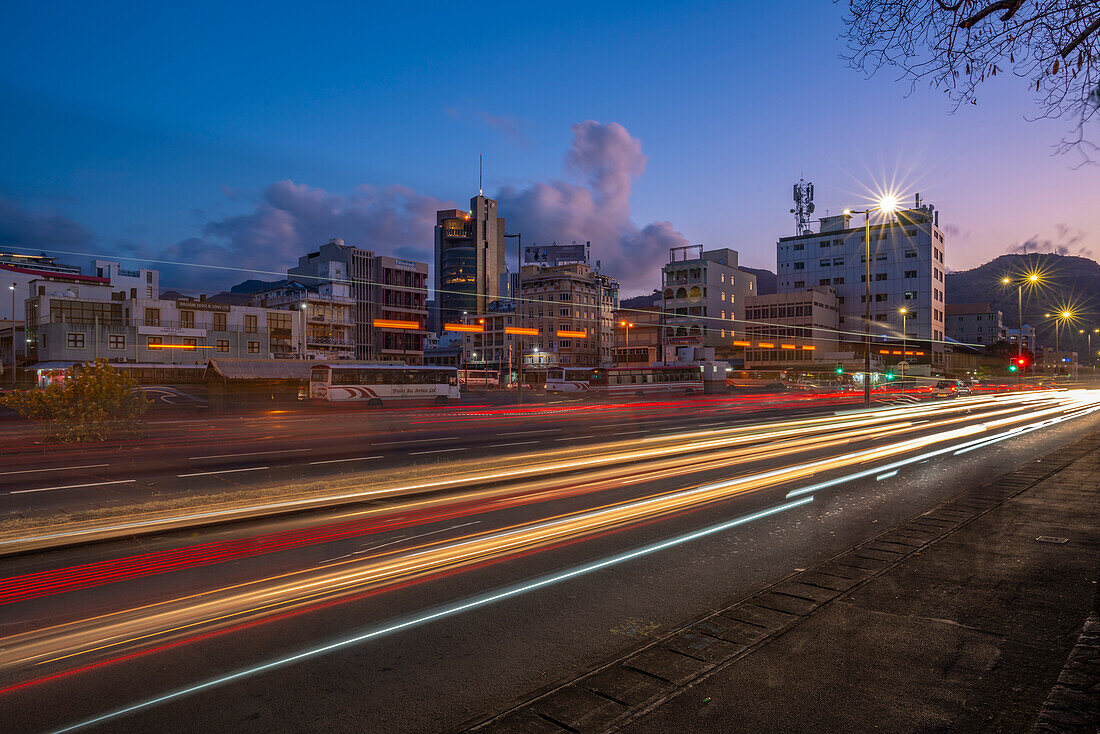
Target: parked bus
x=635, y=381
x=478, y=378
x=377, y=384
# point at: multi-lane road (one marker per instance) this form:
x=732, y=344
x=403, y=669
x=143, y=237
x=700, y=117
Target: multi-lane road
x=572, y=531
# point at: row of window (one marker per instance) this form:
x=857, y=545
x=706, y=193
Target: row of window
x=78, y=340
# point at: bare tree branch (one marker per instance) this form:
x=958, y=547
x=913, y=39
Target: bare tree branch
x=959, y=46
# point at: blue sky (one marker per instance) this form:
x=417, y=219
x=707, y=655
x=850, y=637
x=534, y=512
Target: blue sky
x=160, y=131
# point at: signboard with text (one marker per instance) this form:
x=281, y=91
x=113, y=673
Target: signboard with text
x=555, y=254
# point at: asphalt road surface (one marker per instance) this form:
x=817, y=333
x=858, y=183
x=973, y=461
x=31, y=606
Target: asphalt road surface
x=417, y=613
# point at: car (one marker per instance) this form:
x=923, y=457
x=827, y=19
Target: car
x=965, y=388
x=945, y=389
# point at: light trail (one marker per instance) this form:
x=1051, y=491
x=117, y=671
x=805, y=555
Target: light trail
x=613, y=453
x=225, y=605
x=440, y=613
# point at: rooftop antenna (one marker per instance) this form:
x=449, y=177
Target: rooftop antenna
x=480, y=173
x=803, y=206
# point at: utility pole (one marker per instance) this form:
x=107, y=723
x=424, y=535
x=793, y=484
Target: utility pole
x=515, y=299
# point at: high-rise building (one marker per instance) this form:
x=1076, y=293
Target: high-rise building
x=704, y=295
x=469, y=259
x=390, y=297
x=907, y=271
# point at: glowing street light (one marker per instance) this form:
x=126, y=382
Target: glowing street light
x=626, y=325
x=887, y=204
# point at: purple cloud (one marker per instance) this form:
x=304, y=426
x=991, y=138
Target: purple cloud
x=605, y=160
x=293, y=219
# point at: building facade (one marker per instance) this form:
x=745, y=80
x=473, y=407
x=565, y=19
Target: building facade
x=572, y=306
x=907, y=270
x=794, y=329
x=975, y=323
x=469, y=259
x=390, y=295
x=324, y=312
x=704, y=295
x=96, y=321
x=638, y=324
x=1012, y=336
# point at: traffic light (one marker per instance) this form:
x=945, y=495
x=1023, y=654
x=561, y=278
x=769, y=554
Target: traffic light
x=1012, y=367
x=1022, y=362
x=839, y=369
x=889, y=376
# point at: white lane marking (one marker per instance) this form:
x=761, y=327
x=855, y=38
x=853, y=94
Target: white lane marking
x=711, y=425
x=337, y=461
x=402, y=539
x=222, y=471
x=514, y=443
x=398, y=539
x=72, y=486
x=56, y=468
x=416, y=440
x=676, y=428
x=573, y=438
x=247, y=453
x=435, y=451
x=629, y=433
x=530, y=433
x=615, y=425
x=887, y=475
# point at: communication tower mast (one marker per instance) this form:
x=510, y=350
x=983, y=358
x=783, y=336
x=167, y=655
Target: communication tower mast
x=803, y=206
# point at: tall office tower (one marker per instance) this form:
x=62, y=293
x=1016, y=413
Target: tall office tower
x=907, y=271
x=469, y=259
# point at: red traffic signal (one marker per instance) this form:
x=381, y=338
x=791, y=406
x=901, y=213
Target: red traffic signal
x=1021, y=361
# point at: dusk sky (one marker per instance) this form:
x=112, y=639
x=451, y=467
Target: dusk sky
x=245, y=137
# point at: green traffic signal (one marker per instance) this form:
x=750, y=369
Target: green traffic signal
x=1012, y=368
x=839, y=370
x=889, y=376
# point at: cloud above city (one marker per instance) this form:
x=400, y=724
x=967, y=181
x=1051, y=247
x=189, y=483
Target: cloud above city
x=590, y=203
x=604, y=160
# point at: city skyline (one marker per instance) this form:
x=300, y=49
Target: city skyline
x=127, y=168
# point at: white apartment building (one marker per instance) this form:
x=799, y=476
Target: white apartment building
x=139, y=283
x=704, y=297
x=77, y=322
x=907, y=271
x=324, y=312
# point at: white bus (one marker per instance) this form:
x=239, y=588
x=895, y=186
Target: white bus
x=478, y=378
x=382, y=384
x=637, y=381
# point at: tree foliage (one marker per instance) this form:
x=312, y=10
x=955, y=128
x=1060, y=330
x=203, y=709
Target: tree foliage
x=957, y=45
x=97, y=404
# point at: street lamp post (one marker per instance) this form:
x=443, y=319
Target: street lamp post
x=904, y=313
x=302, y=322
x=887, y=205
x=626, y=325
x=1032, y=279
x=12, y=286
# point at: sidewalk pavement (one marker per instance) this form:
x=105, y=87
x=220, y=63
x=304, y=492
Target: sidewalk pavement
x=959, y=620
x=969, y=634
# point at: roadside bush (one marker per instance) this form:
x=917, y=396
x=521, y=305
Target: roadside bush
x=97, y=404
